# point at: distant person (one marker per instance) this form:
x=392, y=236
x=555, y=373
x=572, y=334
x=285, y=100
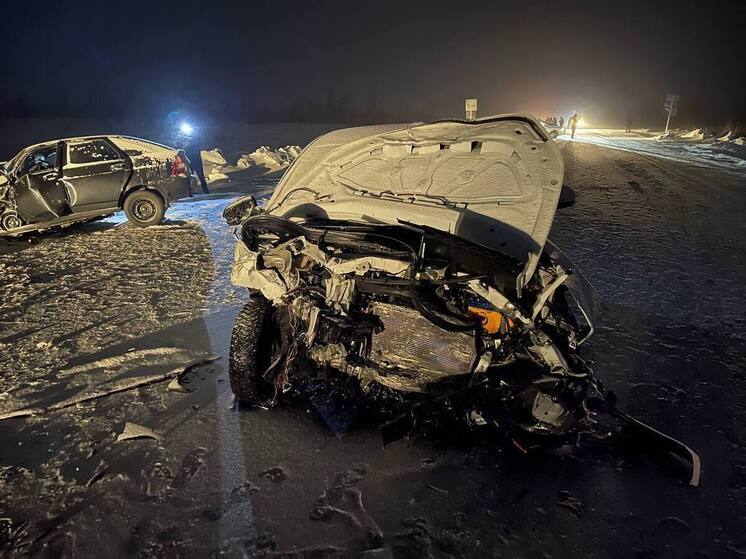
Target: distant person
x=562, y=124
x=187, y=138
x=629, y=125
x=194, y=154
x=573, y=124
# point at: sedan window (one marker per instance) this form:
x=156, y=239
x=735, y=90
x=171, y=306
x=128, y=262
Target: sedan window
x=92, y=151
x=39, y=160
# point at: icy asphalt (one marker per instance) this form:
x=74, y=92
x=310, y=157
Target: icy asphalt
x=94, y=320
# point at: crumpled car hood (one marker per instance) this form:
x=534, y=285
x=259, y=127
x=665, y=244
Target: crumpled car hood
x=494, y=181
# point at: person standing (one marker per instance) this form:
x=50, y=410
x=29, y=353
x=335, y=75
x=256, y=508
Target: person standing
x=573, y=124
x=187, y=137
x=562, y=124
x=629, y=124
x=194, y=154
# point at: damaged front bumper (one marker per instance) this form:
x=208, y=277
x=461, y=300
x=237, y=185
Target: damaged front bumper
x=433, y=329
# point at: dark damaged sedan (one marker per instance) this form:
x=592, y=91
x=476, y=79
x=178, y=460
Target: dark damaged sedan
x=61, y=182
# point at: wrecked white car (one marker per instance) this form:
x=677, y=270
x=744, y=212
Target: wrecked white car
x=414, y=260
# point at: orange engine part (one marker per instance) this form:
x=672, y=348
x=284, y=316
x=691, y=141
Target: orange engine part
x=493, y=322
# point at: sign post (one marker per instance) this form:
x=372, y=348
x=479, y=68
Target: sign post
x=672, y=106
x=471, y=109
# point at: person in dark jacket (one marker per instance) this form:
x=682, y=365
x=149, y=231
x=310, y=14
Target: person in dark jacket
x=193, y=153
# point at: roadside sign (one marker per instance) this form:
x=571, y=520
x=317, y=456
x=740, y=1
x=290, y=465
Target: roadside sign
x=471, y=109
x=672, y=108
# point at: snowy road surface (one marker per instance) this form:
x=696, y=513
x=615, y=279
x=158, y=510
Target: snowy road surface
x=708, y=154
x=98, y=320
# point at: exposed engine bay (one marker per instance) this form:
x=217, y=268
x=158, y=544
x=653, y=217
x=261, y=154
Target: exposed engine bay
x=421, y=313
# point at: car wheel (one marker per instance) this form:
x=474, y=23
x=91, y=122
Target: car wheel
x=252, y=350
x=144, y=208
x=10, y=220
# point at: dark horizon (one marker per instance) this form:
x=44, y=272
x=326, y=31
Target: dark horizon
x=334, y=62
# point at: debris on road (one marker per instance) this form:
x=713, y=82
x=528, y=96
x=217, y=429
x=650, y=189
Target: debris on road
x=136, y=431
x=276, y=474
x=571, y=503
x=106, y=389
x=437, y=489
x=102, y=468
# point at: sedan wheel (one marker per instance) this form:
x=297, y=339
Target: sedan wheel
x=144, y=208
x=251, y=352
x=10, y=220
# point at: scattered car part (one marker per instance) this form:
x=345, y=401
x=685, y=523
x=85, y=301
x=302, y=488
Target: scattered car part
x=137, y=431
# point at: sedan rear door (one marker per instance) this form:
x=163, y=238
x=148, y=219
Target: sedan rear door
x=94, y=173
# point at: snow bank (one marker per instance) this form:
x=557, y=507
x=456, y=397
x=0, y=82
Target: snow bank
x=261, y=161
x=217, y=175
x=730, y=144
x=213, y=156
x=697, y=134
x=269, y=158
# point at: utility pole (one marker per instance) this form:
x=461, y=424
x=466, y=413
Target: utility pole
x=672, y=106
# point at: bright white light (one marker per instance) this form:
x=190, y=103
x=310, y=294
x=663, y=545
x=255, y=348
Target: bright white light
x=186, y=128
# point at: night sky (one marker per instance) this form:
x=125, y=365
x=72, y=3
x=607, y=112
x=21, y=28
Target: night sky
x=321, y=61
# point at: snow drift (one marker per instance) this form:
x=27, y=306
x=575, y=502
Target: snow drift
x=262, y=160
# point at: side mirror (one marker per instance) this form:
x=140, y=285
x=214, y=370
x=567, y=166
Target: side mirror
x=243, y=208
x=567, y=197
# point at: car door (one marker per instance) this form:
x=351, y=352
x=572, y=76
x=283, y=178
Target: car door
x=39, y=194
x=94, y=173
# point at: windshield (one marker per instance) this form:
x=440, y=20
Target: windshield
x=25, y=161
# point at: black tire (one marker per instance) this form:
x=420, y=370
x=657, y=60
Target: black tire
x=144, y=208
x=10, y=220
x=251, y=353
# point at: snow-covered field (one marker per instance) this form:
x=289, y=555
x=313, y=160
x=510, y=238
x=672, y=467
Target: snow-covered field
x=126, y=441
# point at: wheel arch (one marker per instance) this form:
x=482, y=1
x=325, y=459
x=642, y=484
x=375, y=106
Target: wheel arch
x=136, y=188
